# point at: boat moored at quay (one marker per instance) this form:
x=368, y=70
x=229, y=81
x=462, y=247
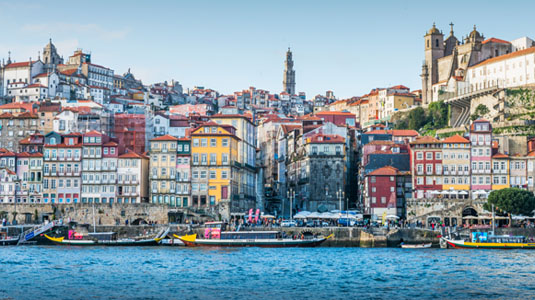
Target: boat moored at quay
x=484, y=240
x=215, y=237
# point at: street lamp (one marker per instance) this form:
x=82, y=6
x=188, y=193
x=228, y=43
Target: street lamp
x=340, y=194
x=291, y=197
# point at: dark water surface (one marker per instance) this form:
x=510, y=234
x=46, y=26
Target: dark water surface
x=55, y=272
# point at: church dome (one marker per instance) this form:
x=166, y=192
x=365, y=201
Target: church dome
x=475, y=34
x=433, y=30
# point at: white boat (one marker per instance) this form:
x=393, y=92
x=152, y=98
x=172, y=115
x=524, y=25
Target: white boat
x=416, y=246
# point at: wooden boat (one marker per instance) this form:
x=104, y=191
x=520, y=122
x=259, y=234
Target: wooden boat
x=107, y=239
x=495, y=242
x=6, y=240
x=252, y=239
x=416, y=246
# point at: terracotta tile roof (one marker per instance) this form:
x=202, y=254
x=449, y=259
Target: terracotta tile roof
x=287, y=128
x=400, y=87
x=495, y=40
x=132, y=155
x=505, y=56
x=165, y=138
x=384, y=171
x=326, y=139
x=36, y=85
x=500, y=155
x=426, y=140
x=41, y=75
x=110, y=144
x=17, y=105
x=20, y=64
x=456, y=139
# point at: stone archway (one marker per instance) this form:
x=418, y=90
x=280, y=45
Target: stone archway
x=469, y=215
x=139, y=221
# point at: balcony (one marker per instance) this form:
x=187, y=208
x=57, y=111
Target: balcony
x=154, y=190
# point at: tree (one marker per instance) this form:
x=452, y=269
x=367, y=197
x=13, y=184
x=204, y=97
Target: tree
x=512, y=201
x=480, y=111
x=417, y=118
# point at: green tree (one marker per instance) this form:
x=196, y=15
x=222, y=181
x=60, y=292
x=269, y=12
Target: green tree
x=480, y=111
x=417, y=118
x=512, y=201
x=438, y=114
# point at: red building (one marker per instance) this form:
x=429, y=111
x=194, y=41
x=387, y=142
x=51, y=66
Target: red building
x=386, y=189
x=426, y=166
x=130, y=131
x=338, y=118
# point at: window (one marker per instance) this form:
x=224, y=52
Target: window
x=195, y=142
x=374, y=189
x=383, y=200
x=204, y=142
x=429, y=168
x=203, y=174
x=419, y=155
x=392, y=189
x=224, y=174
x=374, y=200
x=224, y=158
x=391, y=178
x=438, y=155
x=429, y=156
x=212, y=174
x=213, y=143
x=373, y=179
x=213, y=158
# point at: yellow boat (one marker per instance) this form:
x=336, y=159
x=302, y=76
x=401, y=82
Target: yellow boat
x=270, y=239
x=483, y=241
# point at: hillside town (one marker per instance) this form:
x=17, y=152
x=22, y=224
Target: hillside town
x=74, y=131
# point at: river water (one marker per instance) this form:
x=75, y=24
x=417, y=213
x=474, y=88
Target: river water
x=56, y=272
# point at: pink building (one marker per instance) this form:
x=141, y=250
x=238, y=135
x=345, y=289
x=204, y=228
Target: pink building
x=481, y=158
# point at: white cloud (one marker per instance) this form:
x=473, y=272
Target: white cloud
x=74, y=29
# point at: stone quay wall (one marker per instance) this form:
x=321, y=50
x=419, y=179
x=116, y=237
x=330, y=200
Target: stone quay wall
x=104, y=214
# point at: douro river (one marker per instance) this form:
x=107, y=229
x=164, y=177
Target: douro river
x=39, y=272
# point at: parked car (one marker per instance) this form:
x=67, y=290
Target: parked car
x=347, y=222
x=288, y=223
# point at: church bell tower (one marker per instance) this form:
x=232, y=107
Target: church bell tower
x=288, y=81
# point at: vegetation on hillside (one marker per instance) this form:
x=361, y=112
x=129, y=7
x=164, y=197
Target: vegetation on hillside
x=425, y=121
x=480, y=111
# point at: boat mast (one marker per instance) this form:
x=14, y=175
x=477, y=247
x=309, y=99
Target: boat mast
x=94, y=224
x=493, y=220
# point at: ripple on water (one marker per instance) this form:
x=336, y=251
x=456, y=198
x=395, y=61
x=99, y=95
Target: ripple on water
x=319, y=273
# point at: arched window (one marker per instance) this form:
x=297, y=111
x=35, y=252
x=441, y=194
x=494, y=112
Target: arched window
x=436, y=43
x=427, y=46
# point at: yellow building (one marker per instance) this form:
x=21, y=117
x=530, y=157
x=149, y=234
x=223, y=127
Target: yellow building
x=246, y=133
x=500, y=171
x=215, y=169
x=456, y=166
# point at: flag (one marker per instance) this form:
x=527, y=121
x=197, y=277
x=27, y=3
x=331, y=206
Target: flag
x=250, y=219
x=257, y=215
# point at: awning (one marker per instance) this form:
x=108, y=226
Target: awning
x=392, y=217
x=463, y=193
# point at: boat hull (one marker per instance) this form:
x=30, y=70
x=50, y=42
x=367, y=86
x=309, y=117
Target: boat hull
x=119, y=243
x=9, y=242
x=419, y=246
x=190, y=241
x=470, y=245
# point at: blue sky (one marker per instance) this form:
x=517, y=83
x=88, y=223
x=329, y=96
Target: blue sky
x=345, y=46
